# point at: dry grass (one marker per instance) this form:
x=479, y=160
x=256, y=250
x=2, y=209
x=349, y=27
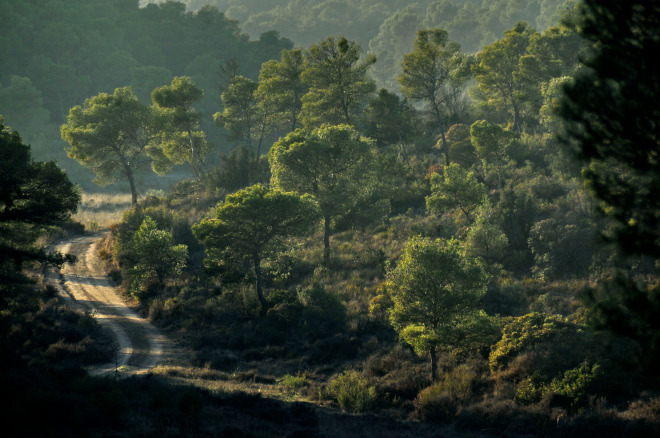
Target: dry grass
x=98, y=211
x=212, y=380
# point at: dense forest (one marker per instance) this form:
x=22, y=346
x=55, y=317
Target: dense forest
x=440, y=218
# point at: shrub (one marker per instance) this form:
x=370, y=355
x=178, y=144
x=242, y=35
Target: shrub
x=575, y=386
x=324, y=312
x=529, y=332
x=351, y=390
x=440, y=401
x=292, y=384
x=434, y=404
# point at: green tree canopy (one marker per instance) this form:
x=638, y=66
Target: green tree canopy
x=281, y=88
x=612, y=108
x=332, y=163
x=158, y=258
x=337, y=80
x=182, y=140
x=246, y=120
x=253, y=224
x=33, y=195
x=456, y=188
x=388, y=119
x=435, y=72
x=110, y=135
x=497, y=72
x=491, y=142
x=435, y=290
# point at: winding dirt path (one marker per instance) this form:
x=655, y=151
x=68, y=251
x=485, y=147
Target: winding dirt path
x=140, y=346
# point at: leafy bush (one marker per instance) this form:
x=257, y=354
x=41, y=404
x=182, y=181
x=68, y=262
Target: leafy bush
x=292, y=384
x=158, y=258
x=531, y=331
x=352, y=391
x=324, y=312
x=441, y=400
x=570, y=391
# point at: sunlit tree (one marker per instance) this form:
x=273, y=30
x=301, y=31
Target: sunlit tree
x=181, y=138
x=253, y=224
x=337, y=80
x=110, y=134
x=334, y=164
x=434, y=291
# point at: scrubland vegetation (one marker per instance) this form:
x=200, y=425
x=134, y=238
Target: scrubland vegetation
x=474, y=253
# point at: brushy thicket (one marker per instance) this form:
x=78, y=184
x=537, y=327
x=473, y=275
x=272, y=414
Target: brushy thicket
x=320, y=339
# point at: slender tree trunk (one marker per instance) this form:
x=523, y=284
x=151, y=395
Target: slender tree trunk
x=467, y=215
x=445, y=148
x=516, y=119
x=260, y=292
x=434, y=365
x=326, y=240
x=131, y=181
x=441, y=127
x=499, y=175
x=193, y=163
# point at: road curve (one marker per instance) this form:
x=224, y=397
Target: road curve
x=140, y=346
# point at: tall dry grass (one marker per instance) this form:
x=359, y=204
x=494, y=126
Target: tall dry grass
x=98, y=211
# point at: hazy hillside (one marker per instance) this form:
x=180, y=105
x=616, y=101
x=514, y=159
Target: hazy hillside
x=386, y=28
x=58, y=53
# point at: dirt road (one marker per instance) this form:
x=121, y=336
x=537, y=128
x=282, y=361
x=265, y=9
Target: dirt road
x=140, y=345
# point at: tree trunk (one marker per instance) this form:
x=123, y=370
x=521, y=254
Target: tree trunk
x=260, y=292
x=326, y=240
x=193, y=164
x=445, y=148
x=131, y=181
x=516, y=120
x=434, y=365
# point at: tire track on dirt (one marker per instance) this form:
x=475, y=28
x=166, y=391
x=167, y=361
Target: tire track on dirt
x=140, y=346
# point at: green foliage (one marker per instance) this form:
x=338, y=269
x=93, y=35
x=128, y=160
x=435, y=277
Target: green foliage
x=485, y=238
x=237, y=170
x=572, y=390
x=492, y=142
x=158, y=258
x=281, y=89
x=460, y=146
x=534, y=331
x=123, y=249
x=181, y=138
x=435, y=73
x=352, y=391
x=456, y=188
x=293, y=384
x=80, y=48
x=388, y=119
x=324, y=312
x=252, y=224
x=110, y=135
x=337, y=80
x=440, y=401
x=246, y=121
x=334, y=164
x=562, y=250
x=552, y=93
x=435, y=290
x=497, y=73
x=33, y=197
x=611, y=111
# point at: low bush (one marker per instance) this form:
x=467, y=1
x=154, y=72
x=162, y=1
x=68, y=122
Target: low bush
x=456, y=387
x=290, y=384
x=352, y=391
